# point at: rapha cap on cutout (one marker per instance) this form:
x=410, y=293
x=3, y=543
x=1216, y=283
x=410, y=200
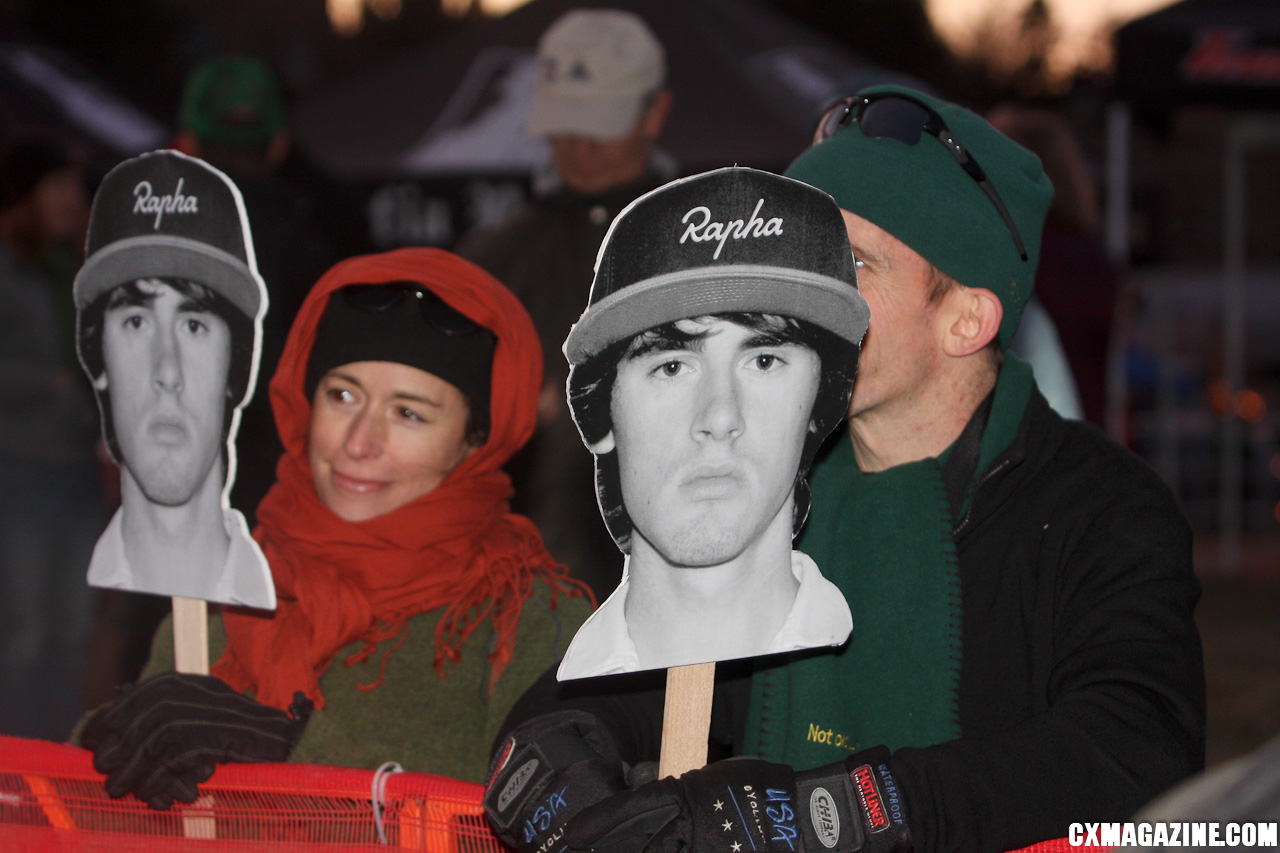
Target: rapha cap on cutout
x=729, y=240
x=165, y=214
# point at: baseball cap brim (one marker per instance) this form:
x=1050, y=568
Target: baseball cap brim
x=600, y=119
x=826, y=302
x=162, y=256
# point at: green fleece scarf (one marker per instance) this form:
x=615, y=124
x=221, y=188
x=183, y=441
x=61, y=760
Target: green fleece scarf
x=885, y=540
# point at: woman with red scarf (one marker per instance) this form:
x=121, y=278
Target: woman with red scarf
x=414, y=609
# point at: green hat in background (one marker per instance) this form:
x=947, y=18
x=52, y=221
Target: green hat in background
x=233, y=100
x=923, y=196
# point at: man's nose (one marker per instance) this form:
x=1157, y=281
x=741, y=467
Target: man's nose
x=720, y=413
x=166, y=362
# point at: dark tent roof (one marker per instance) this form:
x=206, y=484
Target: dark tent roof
x=748, y=83
x=46, y=94
x=1201, y=51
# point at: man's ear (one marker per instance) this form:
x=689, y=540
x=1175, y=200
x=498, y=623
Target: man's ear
x=655, y=116
x=603, y=446
x=101, y=382
x=278, y=149
x=974, y=314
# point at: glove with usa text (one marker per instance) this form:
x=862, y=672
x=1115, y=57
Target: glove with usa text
x=745, y=805
x=165, y=736
x=547, y=770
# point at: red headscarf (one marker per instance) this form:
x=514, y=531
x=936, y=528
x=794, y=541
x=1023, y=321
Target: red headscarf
x=456, y=547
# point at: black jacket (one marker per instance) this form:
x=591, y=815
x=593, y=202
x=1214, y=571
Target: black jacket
x=1082, y=683
x=546, y=255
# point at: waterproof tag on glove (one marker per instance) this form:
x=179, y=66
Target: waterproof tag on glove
x=169, y=308
x=829, y=804
x=520, y=773
x=854, y=805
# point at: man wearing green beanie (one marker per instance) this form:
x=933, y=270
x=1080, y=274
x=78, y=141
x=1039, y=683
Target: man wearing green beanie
x=1023, y=655
x=1021, y=587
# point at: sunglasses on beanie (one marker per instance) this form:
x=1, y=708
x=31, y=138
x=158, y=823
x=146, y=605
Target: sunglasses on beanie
x=380, y=298
x=893, y=115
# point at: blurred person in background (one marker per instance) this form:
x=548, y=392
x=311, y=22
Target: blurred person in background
x=1076, y=281
x=600, y=100
x=52, y=502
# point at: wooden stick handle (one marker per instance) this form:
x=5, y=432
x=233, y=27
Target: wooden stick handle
x=191, y=635
x=191, y=654
x=686, y=718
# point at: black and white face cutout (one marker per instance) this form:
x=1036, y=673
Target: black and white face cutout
x=166, y=355
x=708, y=432
x=716, y=353
x=169, y=314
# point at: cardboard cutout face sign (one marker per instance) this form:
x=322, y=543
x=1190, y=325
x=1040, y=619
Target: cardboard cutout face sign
x=717, y=351
x=169, y=308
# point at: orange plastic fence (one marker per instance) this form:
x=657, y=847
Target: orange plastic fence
x=51, y=799
x=1061, y=845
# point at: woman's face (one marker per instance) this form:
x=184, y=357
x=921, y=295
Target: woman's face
x=383, y=434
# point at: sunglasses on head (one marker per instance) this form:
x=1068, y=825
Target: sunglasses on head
x=893, y=115
x=380, y=298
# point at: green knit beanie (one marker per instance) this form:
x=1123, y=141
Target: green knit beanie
x=922, y=196
x=233, y=100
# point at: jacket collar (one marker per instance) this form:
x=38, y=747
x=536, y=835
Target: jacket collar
x=1005, y=462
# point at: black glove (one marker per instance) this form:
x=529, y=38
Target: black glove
x=745, y=805
x=163, y=737
x=546, y=771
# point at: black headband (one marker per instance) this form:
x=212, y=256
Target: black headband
x=403, y=322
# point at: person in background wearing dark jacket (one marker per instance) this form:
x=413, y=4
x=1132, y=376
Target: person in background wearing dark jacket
x=52, y=501
x=1023, y=656
x=599, y=99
